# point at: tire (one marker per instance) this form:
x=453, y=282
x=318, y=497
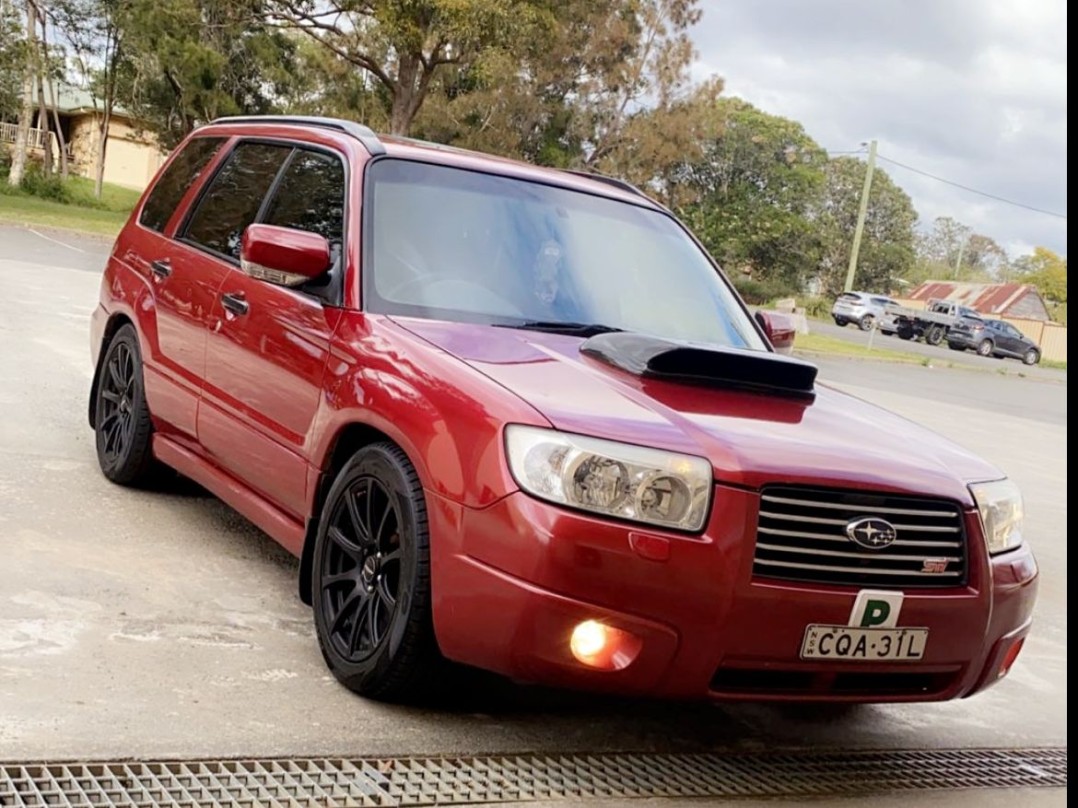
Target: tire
x=371, y=579
x=1031, y=357
x=935, y=335
x=123, y=429
x=985, y=347
x=905, y=332
x=866, y=322
x=841, y=323
x=954, y=346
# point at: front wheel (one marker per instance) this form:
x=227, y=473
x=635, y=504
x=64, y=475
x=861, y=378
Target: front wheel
x=371, y=578
x=123, y=430
x=985, y=347
x=1031, y=357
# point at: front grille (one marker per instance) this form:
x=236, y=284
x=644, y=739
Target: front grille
x=802, y=537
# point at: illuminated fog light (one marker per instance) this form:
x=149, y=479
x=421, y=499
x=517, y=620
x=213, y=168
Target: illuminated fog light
x=598, y=645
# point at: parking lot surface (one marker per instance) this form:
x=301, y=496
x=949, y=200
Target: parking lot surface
x=161, y=624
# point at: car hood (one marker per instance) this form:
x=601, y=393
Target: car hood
x=751, y=438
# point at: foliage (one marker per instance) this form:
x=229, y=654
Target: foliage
x=758, y=183
x=759, y=292
x=951, y=250
x=190, y=61
x=887, y=246
x=1045, y=270
x=12, y=59
x=403, y=46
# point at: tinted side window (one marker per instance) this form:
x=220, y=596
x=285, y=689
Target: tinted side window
x=176, y=179
x=310, y=196
x=233, y=198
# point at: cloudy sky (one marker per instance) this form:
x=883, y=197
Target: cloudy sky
x=971, y=90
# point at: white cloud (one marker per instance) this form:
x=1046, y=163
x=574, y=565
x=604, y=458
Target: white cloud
x=971, y=90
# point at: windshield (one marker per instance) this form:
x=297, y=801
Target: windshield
x=452, y=244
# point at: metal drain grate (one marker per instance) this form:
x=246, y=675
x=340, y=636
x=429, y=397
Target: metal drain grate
x=520, y=778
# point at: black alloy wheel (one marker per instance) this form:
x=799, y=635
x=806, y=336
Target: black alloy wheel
x=122, y=425
x=371, y=578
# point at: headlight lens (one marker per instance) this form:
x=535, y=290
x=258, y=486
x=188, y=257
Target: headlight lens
x=615, y=479
x=1000, y=504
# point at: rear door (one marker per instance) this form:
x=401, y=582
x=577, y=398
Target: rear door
x=1014, y=343
x=173, y=327
x=267, y=355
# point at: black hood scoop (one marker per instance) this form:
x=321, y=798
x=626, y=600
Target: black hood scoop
x=708, y=365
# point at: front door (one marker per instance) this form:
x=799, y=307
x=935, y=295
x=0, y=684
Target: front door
x=267, y=351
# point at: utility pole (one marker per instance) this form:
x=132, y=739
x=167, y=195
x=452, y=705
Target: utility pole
x=958, y=263
x=861, y=213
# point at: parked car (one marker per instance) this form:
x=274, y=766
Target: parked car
x=862, y=308
x=933, y=322
x=517, y=418
x=992, y=338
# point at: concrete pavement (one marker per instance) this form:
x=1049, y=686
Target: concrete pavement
x=163, y=624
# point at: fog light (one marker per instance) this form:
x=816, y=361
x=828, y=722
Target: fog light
x=1008, y=660
x=604, y=647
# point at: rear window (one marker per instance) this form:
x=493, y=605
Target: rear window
x=174, y=181
x=850, y=297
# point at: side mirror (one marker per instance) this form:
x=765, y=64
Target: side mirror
x=779, y=328
x=282, y=255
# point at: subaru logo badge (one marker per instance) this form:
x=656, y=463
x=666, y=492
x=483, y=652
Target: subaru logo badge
x=871, y=533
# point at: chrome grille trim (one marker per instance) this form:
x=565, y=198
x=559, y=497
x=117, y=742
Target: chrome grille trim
x=875, y=510
x=801, y=536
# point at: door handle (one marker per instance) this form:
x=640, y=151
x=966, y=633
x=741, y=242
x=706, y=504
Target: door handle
x=162, y=267
x=234, y=302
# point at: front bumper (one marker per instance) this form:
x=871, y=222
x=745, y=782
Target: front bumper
x=510, y=582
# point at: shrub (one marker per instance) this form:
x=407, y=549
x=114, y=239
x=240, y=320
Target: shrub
x=760, y=292
x=35, y=183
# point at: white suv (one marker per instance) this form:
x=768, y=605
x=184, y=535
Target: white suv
x=862, y=308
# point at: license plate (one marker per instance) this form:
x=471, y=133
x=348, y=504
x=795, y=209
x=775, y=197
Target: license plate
x=864, y=644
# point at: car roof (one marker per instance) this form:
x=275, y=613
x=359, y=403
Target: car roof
x=423, y=151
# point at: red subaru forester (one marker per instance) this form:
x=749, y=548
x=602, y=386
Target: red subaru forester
x=517, y=418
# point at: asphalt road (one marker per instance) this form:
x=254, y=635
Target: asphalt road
x=161, y=624
x=942, y=355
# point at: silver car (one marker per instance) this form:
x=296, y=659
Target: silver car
x=862, y=308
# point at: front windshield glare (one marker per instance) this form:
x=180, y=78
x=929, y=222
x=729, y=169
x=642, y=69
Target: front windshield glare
x=452, y=244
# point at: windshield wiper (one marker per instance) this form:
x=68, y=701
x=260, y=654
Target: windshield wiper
x=555, y=327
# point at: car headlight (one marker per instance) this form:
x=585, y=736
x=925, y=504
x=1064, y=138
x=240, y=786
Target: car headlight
x=615, y=479
x=1000, y=504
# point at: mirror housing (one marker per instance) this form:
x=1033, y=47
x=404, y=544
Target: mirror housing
x=779, y=328
x=283, y=255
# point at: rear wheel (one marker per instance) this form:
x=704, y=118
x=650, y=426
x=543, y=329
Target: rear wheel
x=841, y=322
x=935, y=335
x=904, y=331
x=985, y=347
x=866, y=322
x=1031, y=357
x=371, y=578
x=954, y=346
x=122, y=427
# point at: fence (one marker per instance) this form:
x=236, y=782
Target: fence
x=9, y=133
x=1051, y=337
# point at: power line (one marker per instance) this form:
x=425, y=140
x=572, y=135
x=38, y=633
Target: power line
x=1062, y=216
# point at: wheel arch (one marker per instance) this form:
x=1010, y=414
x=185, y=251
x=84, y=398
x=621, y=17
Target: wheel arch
x=350, y=438
x=115, y=322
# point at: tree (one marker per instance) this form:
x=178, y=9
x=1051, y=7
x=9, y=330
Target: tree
x=12, y=60
x=28, y=54
x=759, y=184
x=190, y=61
x=1047, y=271
x=404, y=45
x=887, y=246
x=94, y=30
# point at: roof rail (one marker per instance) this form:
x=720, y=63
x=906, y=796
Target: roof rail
x=364, y=134
x=614, y=181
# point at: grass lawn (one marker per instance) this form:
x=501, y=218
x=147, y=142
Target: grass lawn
x=84, y=213
x=821, y=344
